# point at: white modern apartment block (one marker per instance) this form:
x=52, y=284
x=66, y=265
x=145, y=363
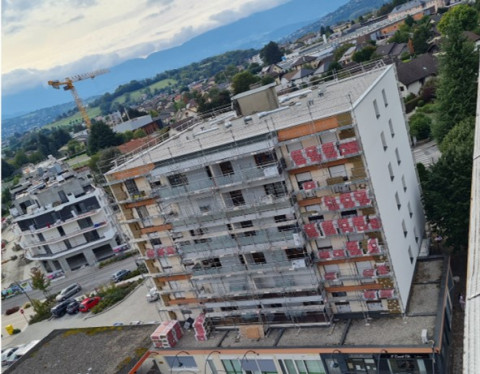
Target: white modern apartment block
x=62, y=221
x=290, y=210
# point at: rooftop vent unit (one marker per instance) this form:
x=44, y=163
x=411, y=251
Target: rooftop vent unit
x=260, y=99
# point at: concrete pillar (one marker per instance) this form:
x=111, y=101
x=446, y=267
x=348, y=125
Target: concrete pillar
x=64, y=265
x=90, y=257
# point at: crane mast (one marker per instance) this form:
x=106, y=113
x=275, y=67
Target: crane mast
x=67, y=84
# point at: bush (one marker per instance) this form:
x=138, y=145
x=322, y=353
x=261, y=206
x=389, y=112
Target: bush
x=113, y=294
x=16, y=331
x=42, y=309
x=12, y=310
x=27, y=305
x=420, y=126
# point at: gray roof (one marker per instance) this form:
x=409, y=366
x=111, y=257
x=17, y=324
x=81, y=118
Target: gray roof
x=391, y=49
x=417, y=69
x=110, y=349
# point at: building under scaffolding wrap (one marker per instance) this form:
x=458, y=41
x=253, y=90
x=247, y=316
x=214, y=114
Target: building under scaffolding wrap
x=290, y=210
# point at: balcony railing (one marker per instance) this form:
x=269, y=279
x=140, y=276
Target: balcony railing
x=352, y=249
x=358, y=224
x=205, y=185
x=225, y=244
x=28, y=243
x=323, y=153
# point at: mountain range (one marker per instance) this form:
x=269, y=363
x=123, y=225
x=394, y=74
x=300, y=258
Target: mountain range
x=250, y=32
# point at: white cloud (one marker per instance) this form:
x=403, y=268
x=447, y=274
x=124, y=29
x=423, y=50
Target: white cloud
x=41, y=37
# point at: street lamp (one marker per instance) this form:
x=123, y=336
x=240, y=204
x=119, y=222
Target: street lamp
x=206, y=361
x=245, y=357
x=176, y=358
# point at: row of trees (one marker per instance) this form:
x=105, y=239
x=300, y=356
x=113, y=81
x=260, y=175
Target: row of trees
x=446, y=185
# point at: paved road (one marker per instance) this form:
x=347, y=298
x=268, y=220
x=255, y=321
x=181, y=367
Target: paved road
x=426, y=153
x=132, y=309
x=89, y=278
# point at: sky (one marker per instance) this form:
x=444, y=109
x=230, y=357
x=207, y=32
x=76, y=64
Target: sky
x=54, y=39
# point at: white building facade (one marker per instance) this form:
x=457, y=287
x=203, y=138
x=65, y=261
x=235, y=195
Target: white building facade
x=63, y=222
x=292, y=210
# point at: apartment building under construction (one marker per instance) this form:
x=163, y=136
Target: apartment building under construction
x=292, y=209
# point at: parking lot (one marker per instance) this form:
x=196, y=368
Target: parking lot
x=132, y=309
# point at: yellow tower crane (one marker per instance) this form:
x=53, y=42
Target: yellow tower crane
x=68, y=85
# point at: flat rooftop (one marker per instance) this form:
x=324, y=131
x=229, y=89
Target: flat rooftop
x=327, y=99
x=111, y=349
x=389, y=331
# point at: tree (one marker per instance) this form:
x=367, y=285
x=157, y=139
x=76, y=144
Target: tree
x=39, y=281
x=409, y=21
x=446, y=185
x=103, y=161
x=457, y=87
x=271, y=53
x=420, y=38
x=340, y=51
x=364, y=54
x=101, y=136
x=7, y=169
x=241, y=81
x=420, y=126
x=20, y=158
x=139, y=133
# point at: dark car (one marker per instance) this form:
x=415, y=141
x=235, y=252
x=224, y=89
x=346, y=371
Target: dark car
x=72, y=308
x=61, y=308
x=120, y=275
x=89, y=303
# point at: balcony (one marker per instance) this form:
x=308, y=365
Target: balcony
x=379, y=271
x=28, y=243
x=324, y=153
x=358, y=224
x=258, y=209
x=55, y=255
x=265, y=268
x=225, y=245
x=206, y=185
x=352, y=250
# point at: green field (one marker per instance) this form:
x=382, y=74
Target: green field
x=136, y=95
x=92, y=112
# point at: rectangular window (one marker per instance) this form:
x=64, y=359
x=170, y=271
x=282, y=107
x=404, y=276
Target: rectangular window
x=390, y=125
x=294, y=253
x=301, y=367
x=390, y=171
x=91, y=236
x=61, y=231
x=397, y=199
x=41, y=237
x=47, y=249
x=415, y=234
x=302, y=178
x=397, y=155
x=246, y=224
x=181, y=361
x=375, y=107
x=155, y=241
x=385, y=101
x=404, y=184
x=85, y=223
x=226, y=168
x=232, y=366
x=131, y=186
x=208, y=171
x=265, y=158
x=410, y=210
x=281, y=218
x=237, y=198
x=177, y=180
x=384, y=142
x=338, y=171
x=258, y=258
x=410, y=254
x=404, y=228
x=277, y=189
x=67, y=244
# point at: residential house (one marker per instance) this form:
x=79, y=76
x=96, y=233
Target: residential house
x=413, y=74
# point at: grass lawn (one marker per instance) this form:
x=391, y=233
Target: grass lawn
x=92, y=112
x=78, y=161
x=136, y=95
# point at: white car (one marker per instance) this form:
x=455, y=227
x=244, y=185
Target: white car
x=68, y=292
x=153, y=295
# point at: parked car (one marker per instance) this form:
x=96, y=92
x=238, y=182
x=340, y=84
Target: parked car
x=6, y=353
x=73, y=307
x=55, y=274
x=89, y=303
x=68, y=292
x=21, y=351
x=153, y=295
x=120, y=275
x=61, y=308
